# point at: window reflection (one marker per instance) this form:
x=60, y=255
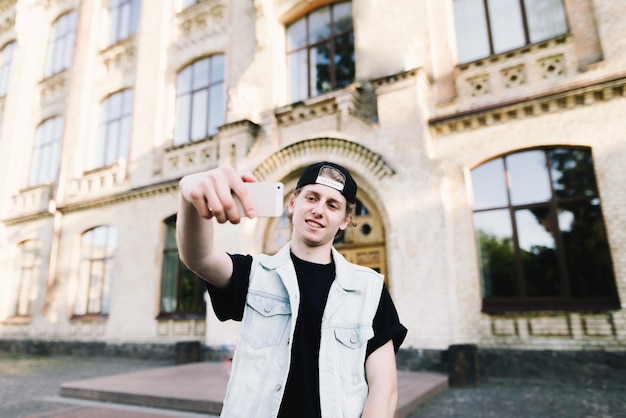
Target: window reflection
x=494, y=235
x=489, y=183
x=487, y=27
x=545, y=246
x=200, y=100
x=182, y=291
x=528, y=174
x=320, y=51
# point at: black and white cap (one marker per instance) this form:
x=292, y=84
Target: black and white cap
x=314, y=174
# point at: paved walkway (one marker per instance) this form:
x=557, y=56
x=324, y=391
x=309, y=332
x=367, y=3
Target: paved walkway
x=138, y=389
x=30, y=387
x=201, y=387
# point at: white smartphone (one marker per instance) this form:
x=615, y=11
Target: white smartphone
x=268, y=199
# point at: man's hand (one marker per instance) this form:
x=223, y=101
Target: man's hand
x=212, y=194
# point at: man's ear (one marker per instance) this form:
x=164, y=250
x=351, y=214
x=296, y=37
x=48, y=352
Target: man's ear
x=346, y=221
x=291, y=203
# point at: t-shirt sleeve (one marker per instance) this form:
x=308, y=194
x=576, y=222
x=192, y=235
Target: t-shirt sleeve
x=386, y=325
x=230, y=301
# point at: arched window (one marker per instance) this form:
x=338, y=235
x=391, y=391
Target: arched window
x=320, y=51
x=61, y=45
x=114, y=131
x=488, y=27
x=47, y=152
x=541, y=238
x=6, y=58
x=182, y=292
x=95, y=272
x=25, y=275
x=200, y=102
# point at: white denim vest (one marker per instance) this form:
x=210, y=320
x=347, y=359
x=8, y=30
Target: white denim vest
x=263, y=353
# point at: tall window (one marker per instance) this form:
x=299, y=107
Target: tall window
x=47, y=153
x=123, y=15
x=6, y=58
x=487, y=27
x=114, y=131
x=320, y=51
x=182, y=292
x=61, y=45
x=26, y=269
x=540, y=232
x=95, y=273
x=200, y=104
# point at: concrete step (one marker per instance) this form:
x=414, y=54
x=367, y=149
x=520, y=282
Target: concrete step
x=201, y=387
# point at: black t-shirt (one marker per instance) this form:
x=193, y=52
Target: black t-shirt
x=301, y=396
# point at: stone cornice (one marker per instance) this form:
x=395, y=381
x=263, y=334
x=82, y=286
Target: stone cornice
x=394, y=78
x=138, y=193
x=371, y=162
x=31, y=217
x=569, y=97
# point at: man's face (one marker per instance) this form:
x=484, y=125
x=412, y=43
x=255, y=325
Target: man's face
x=318, y=213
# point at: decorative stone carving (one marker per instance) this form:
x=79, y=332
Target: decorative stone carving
x=184, y=159
x=514, y=76
x=553, y=66
x=204, y=20
x=120, y=56
x=479, y=85
x=373, y=163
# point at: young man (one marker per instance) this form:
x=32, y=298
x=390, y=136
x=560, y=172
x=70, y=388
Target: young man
x=319, y=334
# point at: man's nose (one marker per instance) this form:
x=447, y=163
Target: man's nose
x=318, y=208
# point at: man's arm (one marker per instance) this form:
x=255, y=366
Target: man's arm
x=382, y=380
x=204, y=196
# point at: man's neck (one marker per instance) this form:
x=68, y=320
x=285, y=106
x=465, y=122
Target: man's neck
x=318, y=255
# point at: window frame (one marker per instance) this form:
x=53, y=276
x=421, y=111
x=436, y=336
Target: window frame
x=523, y=19
x=555, y=205
x=170, y=252
x=61, y=44
x=309, y=46
x=27, y=266
x=189, y=92
x=6, y=61
x=119, y=11
x=120, y=139
x=99, y=266
x=46, y=156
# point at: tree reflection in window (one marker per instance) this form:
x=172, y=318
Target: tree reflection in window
x=541, y=238
x=182, y=292
x=320, y=51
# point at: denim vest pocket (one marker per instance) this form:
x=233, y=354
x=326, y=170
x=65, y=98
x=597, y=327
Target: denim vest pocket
x=352, y=344
x=266, y=319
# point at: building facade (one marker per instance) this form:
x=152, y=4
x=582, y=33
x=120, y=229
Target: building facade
x=487, y=139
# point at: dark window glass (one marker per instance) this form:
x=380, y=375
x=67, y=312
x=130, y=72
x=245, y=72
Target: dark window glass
x=541, y=238
x=320, y=51
x=182, y=292
x=487, y=27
